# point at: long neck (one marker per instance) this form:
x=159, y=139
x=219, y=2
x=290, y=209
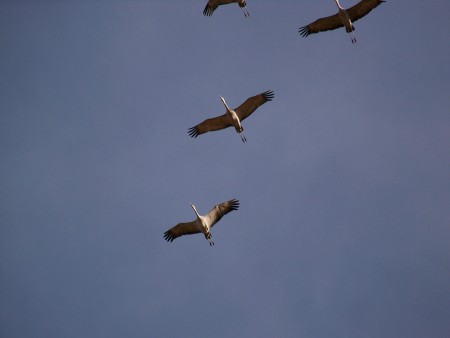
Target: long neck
x=195, y=210
x=225, y=104
x=338, y=4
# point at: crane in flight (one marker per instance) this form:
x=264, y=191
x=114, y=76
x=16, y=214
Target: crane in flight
x=202, y=224
x=232, y=117
x=212, y=5
x=344, y=18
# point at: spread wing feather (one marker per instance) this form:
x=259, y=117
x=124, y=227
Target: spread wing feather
x=220, y=210
x=252, y=103
x=212, y=5
x=362, y=8
x=321, y=25
x=181, y=229
x=212, y=124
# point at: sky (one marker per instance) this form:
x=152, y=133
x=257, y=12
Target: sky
x=344, y=184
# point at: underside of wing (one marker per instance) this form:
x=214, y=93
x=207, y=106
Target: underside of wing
x=220, y=210
x=321, y=25
x=252, y=103
x=209, y=10
x=181, y=229
x=362, y=8
x=212, y=124
x=212, y=5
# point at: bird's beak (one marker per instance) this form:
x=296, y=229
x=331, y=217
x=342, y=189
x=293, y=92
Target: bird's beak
x=223, y=101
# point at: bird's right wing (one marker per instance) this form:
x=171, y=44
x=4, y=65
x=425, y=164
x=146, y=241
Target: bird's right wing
x=362, y=8
x=212, y=124
x=320, y=25
x=220, y=210
x=181, y=229
x=252, y=103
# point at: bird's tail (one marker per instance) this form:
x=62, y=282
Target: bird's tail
x=351, y=29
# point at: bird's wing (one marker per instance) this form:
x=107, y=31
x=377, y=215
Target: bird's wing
x=219, y=210
x=212, y=5
x=362, y=8
x=212, y=124
x=209, y=9
x=320, y=25
x=241, y=4
x=181, y=229
x=252, y=103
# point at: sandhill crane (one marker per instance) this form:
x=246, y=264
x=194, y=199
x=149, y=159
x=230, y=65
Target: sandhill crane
x=344, y=18
x=232, y=117
x=212, y=5
x=202, y=224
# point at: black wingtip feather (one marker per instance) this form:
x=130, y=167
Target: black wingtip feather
x=208, y=11
x=268, y=95
x=304, y=31
x=234, y=204
x=193, y=132
x=168, y=236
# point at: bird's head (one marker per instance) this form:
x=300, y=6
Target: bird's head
x=195, y=209
x=224, y=103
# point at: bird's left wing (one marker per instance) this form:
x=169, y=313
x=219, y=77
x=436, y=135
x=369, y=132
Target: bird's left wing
x=181, y=229
x=362, y=8
x=252, y=103
x=212, y=124
x=212, y=5
x=209, y=9
x=321, y=25
x=220, y=210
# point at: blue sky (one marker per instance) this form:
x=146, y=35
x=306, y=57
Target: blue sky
x=344, y=184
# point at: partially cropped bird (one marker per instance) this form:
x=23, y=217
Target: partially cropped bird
x=232, y=117
x=202, y=224
x=344, y=18
x=212, y=5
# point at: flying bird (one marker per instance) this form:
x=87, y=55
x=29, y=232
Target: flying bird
x=212, y=5
x=202, y=224
x=344, y=18
x=232, y=117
